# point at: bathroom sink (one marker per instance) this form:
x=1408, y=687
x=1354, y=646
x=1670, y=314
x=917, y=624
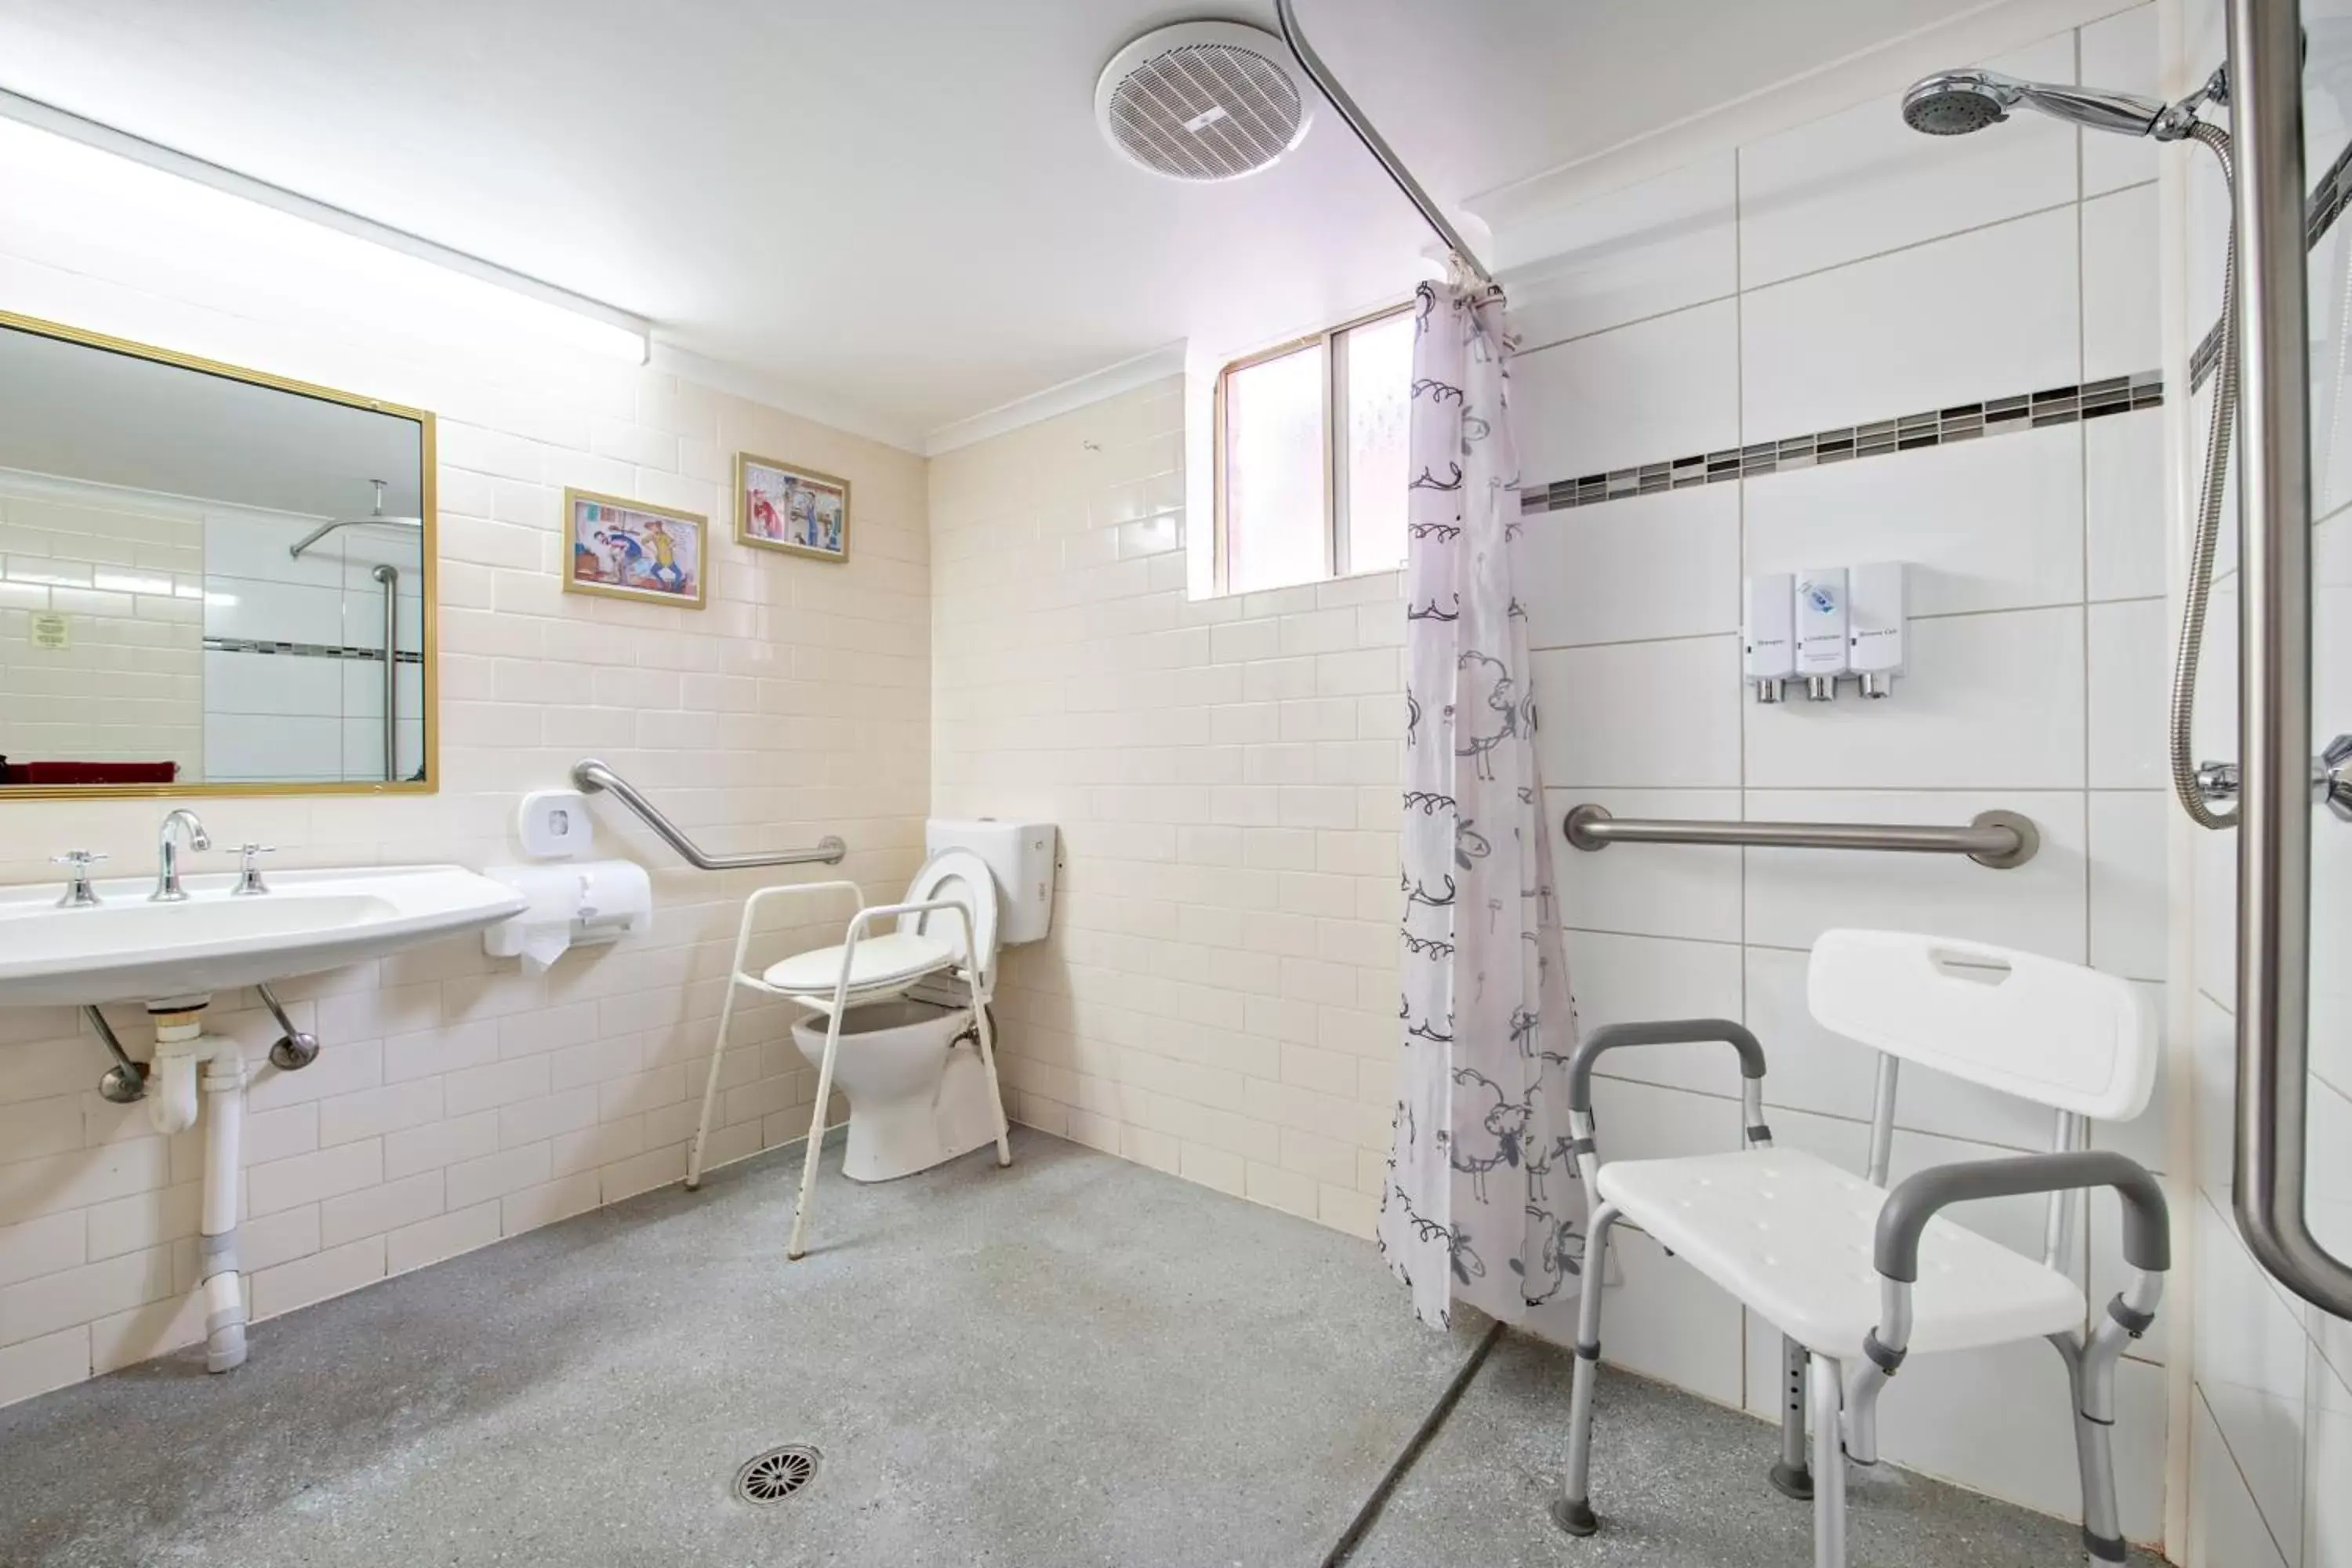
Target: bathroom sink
x=126, y=949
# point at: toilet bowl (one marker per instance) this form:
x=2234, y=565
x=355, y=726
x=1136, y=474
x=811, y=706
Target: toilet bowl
x=917, y=1093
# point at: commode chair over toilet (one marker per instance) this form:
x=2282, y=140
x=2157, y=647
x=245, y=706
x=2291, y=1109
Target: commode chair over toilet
x=899, y=1017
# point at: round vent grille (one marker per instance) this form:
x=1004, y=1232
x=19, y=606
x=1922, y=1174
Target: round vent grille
x=1202, y=100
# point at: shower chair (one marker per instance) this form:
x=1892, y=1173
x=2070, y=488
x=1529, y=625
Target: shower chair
x=1857, y=1278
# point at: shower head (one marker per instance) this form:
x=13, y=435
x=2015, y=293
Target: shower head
x=1955, y=102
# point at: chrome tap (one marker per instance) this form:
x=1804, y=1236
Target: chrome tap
x=182, y=822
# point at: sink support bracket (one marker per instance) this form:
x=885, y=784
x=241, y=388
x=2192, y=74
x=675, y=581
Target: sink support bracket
x=125, y=1083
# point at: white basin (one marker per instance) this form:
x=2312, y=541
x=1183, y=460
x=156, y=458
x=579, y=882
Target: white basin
x=128, y=950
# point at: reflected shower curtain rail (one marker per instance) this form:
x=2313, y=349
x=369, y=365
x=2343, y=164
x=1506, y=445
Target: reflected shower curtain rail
x=2000, y=839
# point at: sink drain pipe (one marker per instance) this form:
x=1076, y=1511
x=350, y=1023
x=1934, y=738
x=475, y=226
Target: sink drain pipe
x=185, y=1059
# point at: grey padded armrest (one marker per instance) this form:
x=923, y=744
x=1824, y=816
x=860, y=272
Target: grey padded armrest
x=2148, y=1227
x=1661, y=1032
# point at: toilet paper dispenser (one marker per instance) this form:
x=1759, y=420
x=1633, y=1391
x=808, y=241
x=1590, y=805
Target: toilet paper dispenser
x=573, y=903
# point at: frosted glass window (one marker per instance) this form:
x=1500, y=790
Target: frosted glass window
x=1311, y=450
x=1377, y=361
x=1274, y=473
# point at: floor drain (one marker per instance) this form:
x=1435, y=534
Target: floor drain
x=777, y=1474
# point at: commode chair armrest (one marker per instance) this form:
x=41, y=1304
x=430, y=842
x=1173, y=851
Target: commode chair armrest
x=2147, y=1228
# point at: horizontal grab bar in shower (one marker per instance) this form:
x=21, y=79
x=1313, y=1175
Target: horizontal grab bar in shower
x=2000, y=839
x=593, y=776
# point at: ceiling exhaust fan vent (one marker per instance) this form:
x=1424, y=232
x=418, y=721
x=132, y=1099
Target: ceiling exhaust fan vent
x=1202, y=100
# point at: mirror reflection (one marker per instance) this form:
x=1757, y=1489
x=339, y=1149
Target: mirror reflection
x=205, y=580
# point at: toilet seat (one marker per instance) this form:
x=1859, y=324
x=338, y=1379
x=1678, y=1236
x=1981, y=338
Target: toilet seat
x=925, y=941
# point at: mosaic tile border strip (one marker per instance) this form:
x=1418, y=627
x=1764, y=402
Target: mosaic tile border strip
x=1936, y=427
x=307, y=650
x=2330, y=194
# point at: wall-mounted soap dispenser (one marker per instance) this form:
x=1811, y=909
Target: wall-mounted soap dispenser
x=1876, y=628
x=1821, y=626
x=1767, y=634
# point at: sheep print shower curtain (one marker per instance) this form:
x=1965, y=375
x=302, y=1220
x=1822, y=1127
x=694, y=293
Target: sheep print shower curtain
x=1482, y=1203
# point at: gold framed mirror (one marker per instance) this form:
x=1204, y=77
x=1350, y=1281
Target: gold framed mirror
x=213, y=581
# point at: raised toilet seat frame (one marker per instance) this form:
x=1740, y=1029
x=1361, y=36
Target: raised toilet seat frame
x=963, y=962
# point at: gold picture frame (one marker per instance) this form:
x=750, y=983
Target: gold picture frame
x=623, y=548
x=791, y=507
x=428, y=554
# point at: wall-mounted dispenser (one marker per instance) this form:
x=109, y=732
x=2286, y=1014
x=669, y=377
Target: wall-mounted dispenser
x=1820, y=625
x=1768, y=633
x=575, y=903
x=1876, y=627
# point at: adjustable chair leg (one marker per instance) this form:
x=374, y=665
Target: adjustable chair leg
x=1790, y=1476
x=2094, y=1378
x=1828, y=1464
x=711, y=1088
x=812, y=1152
x=1572, y=1510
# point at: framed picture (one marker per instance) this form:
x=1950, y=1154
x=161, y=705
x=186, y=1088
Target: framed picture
x=782, y=506
x=630, y=550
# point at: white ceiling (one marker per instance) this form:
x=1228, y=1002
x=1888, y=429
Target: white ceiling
x=898, y=205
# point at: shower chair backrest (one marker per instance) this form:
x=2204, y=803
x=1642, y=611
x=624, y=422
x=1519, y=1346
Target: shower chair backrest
x=2052, y=1032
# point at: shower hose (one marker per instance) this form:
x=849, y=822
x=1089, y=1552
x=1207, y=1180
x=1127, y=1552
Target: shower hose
x=2181, y=719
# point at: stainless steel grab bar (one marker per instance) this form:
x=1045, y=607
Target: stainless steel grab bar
x=593, y=776
x=2000, y=840
x=2274, y=807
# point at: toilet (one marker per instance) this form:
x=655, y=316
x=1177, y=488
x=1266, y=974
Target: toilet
x=909, y=1062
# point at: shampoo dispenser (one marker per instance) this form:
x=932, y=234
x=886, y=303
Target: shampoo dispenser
x=1768, y=633
x=1876, y=627
x=1821, y=616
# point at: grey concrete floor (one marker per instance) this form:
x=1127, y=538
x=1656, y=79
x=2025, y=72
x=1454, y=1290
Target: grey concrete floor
x=1076, y=1361
x=1677, y=1482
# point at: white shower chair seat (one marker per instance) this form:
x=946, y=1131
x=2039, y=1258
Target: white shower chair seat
x=1792, y=1234
x=1857, y=1276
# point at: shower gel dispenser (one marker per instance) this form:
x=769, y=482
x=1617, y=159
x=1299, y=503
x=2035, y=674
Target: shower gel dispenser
x=1821, y=625
x=1876, y=628
x=1767, y=634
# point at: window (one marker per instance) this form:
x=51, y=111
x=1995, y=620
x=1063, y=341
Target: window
x=1311, y=456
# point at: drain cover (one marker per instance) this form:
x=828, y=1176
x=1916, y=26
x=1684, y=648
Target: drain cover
x=777, y=1474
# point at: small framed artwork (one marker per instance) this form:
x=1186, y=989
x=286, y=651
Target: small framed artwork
x=782, y=506
x=631, y=549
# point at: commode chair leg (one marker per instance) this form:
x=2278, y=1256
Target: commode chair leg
x=1790, y=1476
x=1828, y=1464
x=1572, y=1510
x=988, y=1062
x=815, y=1149
x=710, y=1088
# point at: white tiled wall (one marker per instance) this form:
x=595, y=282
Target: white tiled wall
x=1217, y=998
x=456, y=1100
x=1876, y=273
x=127, y=573
x=2271, y=1466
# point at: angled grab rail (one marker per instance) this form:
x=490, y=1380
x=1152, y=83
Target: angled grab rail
x=593, y=776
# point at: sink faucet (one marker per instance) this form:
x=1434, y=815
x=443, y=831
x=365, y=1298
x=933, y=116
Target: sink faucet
x=181, y=822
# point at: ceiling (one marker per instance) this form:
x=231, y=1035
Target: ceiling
x=901, y=206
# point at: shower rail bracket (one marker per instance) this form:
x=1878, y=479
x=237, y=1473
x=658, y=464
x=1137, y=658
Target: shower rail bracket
x=593, y=776
x=2000, y=839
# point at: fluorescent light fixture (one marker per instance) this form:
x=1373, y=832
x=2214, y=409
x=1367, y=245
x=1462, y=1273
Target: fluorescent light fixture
x=110, y=174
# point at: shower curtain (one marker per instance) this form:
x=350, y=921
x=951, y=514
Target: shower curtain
x=1482, y=1203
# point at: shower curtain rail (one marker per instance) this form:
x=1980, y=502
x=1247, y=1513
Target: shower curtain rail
x=2000, y=839
x=593, y=776
x=1377, y=145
